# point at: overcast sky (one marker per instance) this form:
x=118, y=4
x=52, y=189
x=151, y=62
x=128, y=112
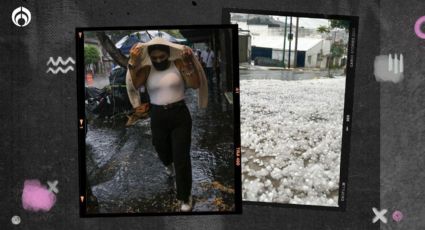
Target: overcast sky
x=312, y=23
x=306, y=22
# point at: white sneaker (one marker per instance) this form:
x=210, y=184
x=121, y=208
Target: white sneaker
x=169, y=169
x=186, y=207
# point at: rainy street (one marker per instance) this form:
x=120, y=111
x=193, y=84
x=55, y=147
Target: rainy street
x=126, y=176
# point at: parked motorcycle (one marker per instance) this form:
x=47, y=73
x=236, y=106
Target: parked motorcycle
x=110, y=101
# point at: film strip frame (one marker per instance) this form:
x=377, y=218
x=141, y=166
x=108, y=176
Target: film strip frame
x=82, y=124
x=348, y=100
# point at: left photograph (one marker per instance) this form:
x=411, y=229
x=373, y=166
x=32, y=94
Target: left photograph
x=158, y=120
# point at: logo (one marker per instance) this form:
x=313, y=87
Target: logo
x=21, y=16
x=60, y=61
x=16, y=220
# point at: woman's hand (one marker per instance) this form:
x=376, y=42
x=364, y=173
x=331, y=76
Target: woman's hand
x=187, y=52
x=136, y=53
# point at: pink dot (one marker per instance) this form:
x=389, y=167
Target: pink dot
x=397, y=216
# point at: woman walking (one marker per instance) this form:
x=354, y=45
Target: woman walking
x=166, y=70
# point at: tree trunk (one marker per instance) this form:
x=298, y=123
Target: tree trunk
x=111, y=49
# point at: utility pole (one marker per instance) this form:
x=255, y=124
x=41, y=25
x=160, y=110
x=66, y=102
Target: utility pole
x=284, y=42
x=290, y=41
x=296, y=45
x=247, y=20
x=331, y=55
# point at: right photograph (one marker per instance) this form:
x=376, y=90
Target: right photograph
x=296, y=89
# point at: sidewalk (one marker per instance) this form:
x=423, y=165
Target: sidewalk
x=272, y=72
x=247, y=66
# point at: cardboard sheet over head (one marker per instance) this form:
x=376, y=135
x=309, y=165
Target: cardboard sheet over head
x=175, y=50
x=175, y=53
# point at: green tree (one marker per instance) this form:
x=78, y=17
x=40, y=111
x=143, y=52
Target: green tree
x=174, y=33
x=116, y=35
x=323, y=29
x=91, y=54
x=109, y=46
x=326, y=30
x=341, y=24
x=337, y=51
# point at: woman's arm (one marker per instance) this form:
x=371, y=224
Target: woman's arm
x=194, y=77
x=189, y=68
x=136, y=75
x=139, y=74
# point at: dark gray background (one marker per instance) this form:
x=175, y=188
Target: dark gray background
x=403, y=117
x=38, y=114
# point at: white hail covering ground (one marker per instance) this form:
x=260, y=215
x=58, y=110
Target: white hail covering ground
x=291, y=140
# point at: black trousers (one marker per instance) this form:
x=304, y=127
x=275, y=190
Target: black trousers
x=171, y=137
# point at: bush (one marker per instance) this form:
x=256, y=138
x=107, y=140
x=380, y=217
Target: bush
x=91, y=54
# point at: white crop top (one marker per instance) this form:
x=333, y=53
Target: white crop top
x=165, y=87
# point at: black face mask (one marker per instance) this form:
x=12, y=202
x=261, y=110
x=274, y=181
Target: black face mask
x=161, y=65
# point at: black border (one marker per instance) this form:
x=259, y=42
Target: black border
x=348, y=103
x=82, y=128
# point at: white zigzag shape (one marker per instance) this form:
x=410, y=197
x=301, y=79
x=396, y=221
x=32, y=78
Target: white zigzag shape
x=60, y=69
x=60, y=60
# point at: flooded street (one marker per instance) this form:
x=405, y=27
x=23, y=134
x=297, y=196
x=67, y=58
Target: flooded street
x=126, y=175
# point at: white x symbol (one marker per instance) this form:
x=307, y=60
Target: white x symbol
x=379, y=215
x=52, y=186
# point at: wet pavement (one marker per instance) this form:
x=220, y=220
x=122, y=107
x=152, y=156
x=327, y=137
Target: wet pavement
x=126, y=175
x=278, y=74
